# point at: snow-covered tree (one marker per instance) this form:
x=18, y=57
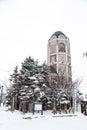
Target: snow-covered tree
x=29, y=84
x=29, y=67
x=13, y=91
x=59, y=84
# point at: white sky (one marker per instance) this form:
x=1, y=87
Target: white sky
x=26, y=26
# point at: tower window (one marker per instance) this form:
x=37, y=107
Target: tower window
x=61, y=47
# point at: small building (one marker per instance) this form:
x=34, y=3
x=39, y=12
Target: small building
x=83, y=101
x=83, y=96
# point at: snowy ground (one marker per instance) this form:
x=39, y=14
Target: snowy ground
x=47, y=121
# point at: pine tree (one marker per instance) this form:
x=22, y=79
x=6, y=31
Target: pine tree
x=29, y=84
x=15, y=87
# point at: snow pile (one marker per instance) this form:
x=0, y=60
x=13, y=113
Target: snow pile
x=17, y=120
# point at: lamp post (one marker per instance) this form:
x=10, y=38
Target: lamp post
x=1, y=94
x=85, y=54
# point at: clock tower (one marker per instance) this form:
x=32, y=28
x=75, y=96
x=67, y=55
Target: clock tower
x=58, y=54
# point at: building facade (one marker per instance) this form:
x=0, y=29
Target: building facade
x=58, y=54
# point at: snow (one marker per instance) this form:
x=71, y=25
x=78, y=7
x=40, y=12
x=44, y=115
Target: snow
x=17, y=120
x=83, y=97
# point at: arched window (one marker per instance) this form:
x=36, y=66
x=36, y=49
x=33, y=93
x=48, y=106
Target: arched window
x=61, y=47
x=61, y=36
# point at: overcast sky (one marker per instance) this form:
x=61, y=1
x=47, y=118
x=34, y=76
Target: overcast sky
x=26, y=26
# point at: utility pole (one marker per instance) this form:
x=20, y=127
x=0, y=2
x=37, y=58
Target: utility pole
x=13, y=103
x=1, y=94
x=85, y=54
x=74, y=99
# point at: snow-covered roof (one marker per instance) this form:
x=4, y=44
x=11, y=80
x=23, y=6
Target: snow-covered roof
x=57, y=33
x=83, y=97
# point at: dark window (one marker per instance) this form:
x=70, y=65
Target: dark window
x=61, y=47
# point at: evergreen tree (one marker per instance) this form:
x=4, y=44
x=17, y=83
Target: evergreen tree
x=14, y=89
x=29, y=67
x=29, y=84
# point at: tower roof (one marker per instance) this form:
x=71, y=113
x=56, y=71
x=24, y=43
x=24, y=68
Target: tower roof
x=57, y=34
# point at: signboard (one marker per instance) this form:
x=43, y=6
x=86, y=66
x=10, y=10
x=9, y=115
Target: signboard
x=85, y=96
x=38, y=107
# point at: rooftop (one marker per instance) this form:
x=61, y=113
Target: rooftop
x=57, y=34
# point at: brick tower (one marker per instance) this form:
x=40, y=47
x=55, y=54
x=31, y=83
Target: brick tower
x=58, y=54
